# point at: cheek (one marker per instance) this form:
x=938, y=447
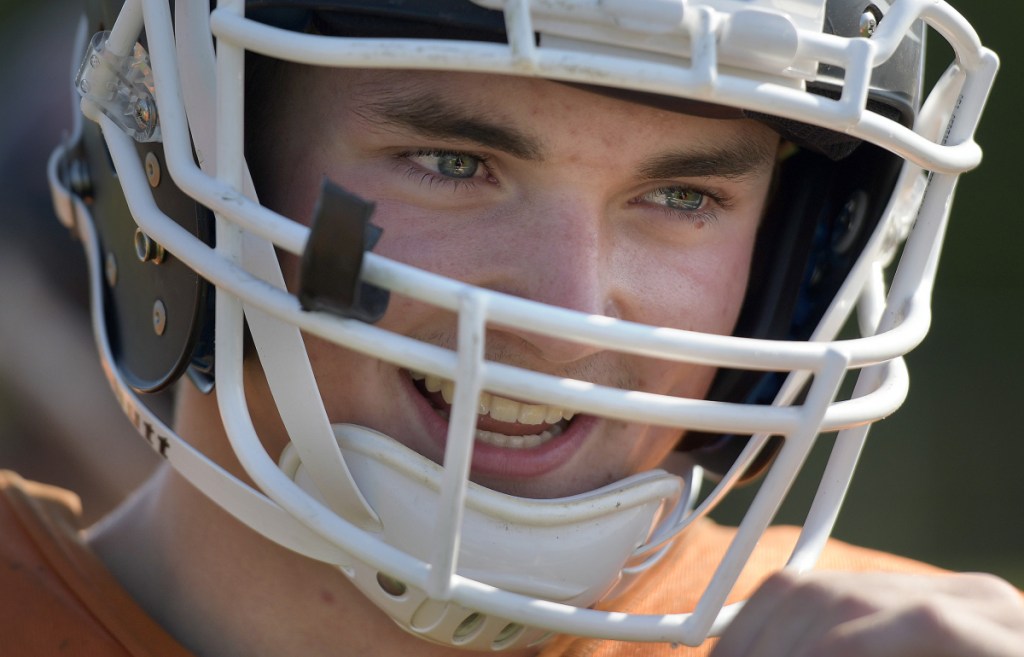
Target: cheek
x=699, y=289
x=723, y=286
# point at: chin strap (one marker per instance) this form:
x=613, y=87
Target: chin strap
x=285, y=362
x=249, y=506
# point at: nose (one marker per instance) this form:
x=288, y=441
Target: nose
x=558, y=251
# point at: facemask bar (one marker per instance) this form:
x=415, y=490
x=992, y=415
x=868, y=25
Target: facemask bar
x=703, y=77
x=458, y=451
x=246, y=504
x=907, y=322
x=864, y=289
x=337, y=531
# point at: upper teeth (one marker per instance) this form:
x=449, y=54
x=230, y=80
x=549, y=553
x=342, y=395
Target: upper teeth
x=499, y=408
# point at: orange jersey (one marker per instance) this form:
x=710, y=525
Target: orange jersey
x=57, y=598
x=676, y=583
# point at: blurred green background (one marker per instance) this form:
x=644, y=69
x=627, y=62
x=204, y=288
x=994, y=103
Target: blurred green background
x=941, y=480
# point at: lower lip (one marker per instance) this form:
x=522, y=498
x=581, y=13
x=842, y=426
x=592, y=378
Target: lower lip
x=494, y=461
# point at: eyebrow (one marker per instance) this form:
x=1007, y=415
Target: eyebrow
x=431, y=116
x=734, y=159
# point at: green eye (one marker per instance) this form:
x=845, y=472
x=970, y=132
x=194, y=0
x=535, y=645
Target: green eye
x=679, y=198
x=457, y=165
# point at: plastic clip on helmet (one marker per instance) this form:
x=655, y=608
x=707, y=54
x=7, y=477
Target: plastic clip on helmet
x=444, y=557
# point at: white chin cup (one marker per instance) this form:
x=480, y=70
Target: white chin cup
x=589, y=539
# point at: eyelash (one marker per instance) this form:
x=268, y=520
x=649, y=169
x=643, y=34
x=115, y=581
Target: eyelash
x=703, y=215
x=698, y=216
x=432, y=178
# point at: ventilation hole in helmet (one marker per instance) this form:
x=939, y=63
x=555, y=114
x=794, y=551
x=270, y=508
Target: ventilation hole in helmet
x=508, y=635
x=468, y=627
x=391, y=586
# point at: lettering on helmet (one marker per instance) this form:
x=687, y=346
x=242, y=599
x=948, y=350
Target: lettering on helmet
x=140, y=417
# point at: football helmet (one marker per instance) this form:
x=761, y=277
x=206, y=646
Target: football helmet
x=183, y=257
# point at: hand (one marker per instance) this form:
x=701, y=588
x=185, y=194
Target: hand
x=832, y=614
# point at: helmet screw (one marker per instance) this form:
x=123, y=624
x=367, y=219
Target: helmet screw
x=110, y=269
x=159, y=317
x=146, y=250
x=144, y=114
x=869, y=21
x=152, y=169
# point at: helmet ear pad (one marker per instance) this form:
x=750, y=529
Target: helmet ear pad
x=815, y=227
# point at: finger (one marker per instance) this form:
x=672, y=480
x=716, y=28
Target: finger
x=744, y=630
x=919, y=630
x=790, y=613
x=777, y=620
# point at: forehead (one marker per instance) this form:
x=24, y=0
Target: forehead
x=546, y=110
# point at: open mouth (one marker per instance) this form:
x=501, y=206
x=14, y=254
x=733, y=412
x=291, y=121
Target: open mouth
x=502, y=422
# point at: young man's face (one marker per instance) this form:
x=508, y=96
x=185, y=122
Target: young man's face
x=545, y=192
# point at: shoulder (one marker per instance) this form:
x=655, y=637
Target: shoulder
x=56, y=597
x=778, y=542
x=21, y=497
x=679, y=579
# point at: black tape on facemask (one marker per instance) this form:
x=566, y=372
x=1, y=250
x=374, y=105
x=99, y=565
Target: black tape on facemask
x=330, y=275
